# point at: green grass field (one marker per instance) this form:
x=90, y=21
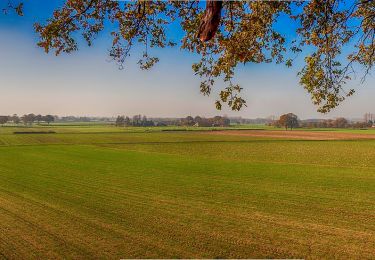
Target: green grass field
x=104, y=192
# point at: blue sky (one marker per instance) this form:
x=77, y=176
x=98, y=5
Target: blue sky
x=86, y=83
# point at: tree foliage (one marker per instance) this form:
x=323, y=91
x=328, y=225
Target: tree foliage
x=48, y=119
x=28, y=119
x=3, y=119
x=10, y=6
x=336, y=36
x=205, y=122
x=15, y=118
x=289, y=120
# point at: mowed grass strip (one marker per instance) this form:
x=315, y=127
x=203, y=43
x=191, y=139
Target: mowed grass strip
x=187, y=199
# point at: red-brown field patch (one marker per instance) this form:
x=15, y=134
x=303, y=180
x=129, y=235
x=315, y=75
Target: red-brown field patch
x=296, y=134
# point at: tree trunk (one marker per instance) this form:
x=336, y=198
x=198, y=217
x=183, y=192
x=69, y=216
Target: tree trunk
x=211, y=20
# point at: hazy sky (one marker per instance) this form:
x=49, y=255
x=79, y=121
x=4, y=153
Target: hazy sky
x=86, y=83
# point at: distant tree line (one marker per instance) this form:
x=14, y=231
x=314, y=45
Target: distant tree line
x=335, y=123
x=247, y=121
x=27, y=119
x=138, y=120
x=72, y=119
x=290, y=121
x=369, y=118
x=205, y=122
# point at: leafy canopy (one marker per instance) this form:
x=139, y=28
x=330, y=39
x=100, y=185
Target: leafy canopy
x=289, y=120
x=247, y=33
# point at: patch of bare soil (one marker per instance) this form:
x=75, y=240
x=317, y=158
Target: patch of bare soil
x=296, y=134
